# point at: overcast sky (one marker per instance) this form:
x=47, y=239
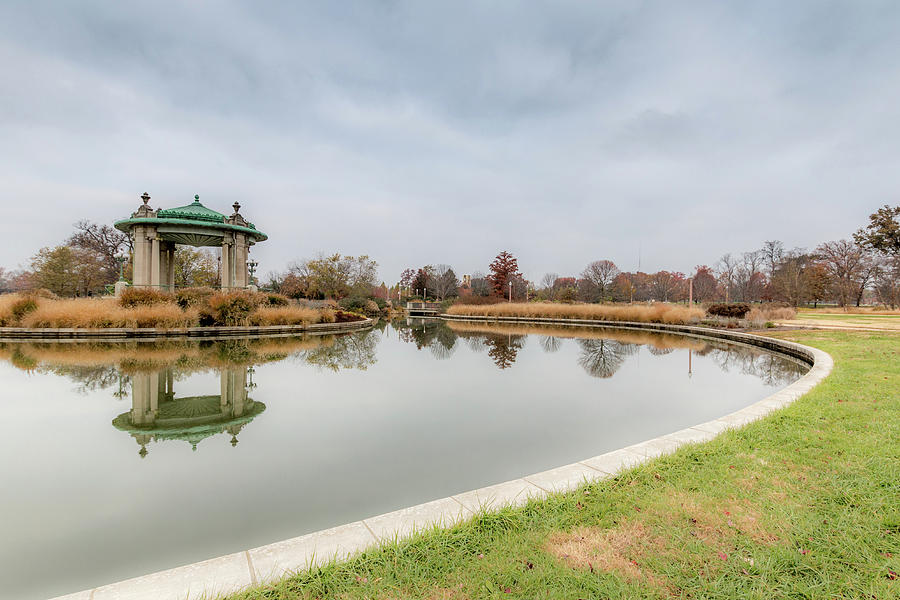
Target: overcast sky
x=424, y=132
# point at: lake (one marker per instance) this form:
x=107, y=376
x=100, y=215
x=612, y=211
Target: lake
x=123, y=458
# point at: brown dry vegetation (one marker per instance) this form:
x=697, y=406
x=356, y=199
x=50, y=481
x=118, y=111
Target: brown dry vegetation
x=290, y=315
x=619, y=550
x=6, y=309
x=155, y=310
x=759, y=315
x=645, y=313
x=94, y=313
x=632, y=547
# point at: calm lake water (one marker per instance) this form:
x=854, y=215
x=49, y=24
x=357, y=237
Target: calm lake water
x=122, y=459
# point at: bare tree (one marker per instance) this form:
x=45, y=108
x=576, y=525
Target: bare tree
x=846, y=264
x=443, y=282
x=548, y=283
x=480, y=284
x=600, y=274
x=789, y=281
x=105, y=241
x=773, y=252
x=887, y=281
x=749, y=279
x=727, y=268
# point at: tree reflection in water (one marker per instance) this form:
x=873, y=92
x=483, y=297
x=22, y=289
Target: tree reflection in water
x=147, y=372
x=353, y=351
x=101, y=365
x=770, y=369
x=550, y=343
x=502, y=347
x=602, y=358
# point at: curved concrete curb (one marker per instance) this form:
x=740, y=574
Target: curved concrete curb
x=235, y=572
x=120, y=333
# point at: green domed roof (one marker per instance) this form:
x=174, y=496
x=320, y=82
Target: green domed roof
x=193, y=212
x=193, y=215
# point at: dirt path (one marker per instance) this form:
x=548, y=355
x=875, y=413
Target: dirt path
x=841, y=325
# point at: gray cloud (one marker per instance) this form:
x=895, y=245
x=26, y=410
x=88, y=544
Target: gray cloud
x=424, y=132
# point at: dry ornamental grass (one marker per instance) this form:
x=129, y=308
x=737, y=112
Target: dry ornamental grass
x=91, y=313
x=154, y=310
x=290, y=315
x=645, y=313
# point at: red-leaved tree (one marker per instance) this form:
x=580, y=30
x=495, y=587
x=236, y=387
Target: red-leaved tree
x=504, y=269
x=705, y=284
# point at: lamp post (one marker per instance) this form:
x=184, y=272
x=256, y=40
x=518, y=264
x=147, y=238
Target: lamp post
x=510, y=291
x=121, y=260
x=250, y=384
x=252, y=267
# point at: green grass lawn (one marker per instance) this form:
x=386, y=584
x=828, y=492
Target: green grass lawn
x=803, y=504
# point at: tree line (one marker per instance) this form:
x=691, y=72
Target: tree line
x=864, y=268
x=91, y=259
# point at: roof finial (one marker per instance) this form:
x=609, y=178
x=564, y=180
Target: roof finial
x=236, y=206
x=197, y=198
x=146, y=198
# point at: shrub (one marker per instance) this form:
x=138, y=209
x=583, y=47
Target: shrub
x=736, y=310
x=568, y=295
x=353, y=303
x=231, y=308
x=193, y=296
x=273, y=299
x=132, y=297
x=346, y=317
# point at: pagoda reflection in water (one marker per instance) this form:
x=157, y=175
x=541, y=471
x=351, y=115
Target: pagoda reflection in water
x=157, y=415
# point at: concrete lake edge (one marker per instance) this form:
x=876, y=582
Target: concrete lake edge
x=8, y=334
x=235, y=572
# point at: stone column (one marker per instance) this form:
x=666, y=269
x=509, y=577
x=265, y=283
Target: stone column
x=240, y=393
x=234, y=391
x=154, y=262
x=170, y=263
x=227, y=391
x=170, y=384
x=240, y=260
x=144, y=398
x=163, y=265
x=227, y=281
x=141, y=266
